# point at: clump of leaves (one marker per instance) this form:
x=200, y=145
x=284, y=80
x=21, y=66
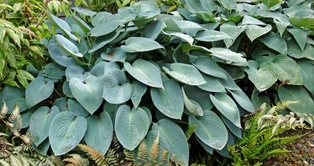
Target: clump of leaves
x=262, y=137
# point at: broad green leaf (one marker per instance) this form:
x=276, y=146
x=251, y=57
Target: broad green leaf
x=210, y=129
x=264, y=77
x=66, y=131
x=42, y=148
x=105, y=29
x=295, y=51
x=229, y=4
x=275, y=42
x=199, y=96
x=38, y=90
x=209, y=67
x=2, y=33
x=92, y=90
x=84, y=11
x=229, y=56
x=169, y=100
x=81, y=24
x=258, y=99
x=74, y=72
x=148, y=9
x=233, y=31
x=99, y=69
x=307, y=70
x=189, y=27
x=192, y=106
x=238, y=132
x=271, y=3
x=60, y=56
x=185, y=73
x=139, y=90
x=53, y=71
x=254, y=31
x=249, y=20
x=243, y=100
x=68, y=46
x=116, y=89
x=153, y=29
x=207, y=148
x=182, y=36
x=101, y=17
x=103, y=40
x=227, y=107
x=111, y=66
x=115, y=55
x=211, y=36
x=26, y=116
x=131, y=126
x=76, y=108
x=145, y=72
x=23, y=77
x=175, y=138
x=212, y=84
x=300, y=36
x=39, y=123
x=140, y=44
x=306, y=22
x=99, y=132
x=63, y=25
x=112, y=110
x=297, y=93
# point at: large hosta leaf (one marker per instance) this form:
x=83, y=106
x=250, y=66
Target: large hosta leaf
x=307, y=70
x=60, y=56
x=233, y=31
x=255, y=31
x=38, y=90
x=169, y=100
x=68, y=46
x=145, y=72
x=297, y=93
x=115, y=55
x=105, y=29
x=63, y=25
x=140, y=44
x=175, y=138
x=153, y=29
x=66, y=131
x=185, y=73
x=91, y=88
x=212, y=84
x=99, y=132
x=192, y=106
x=139, y=90
x=103, y=40
x=209, y=67
x=227, y=107
x=13, y=96
x=300, y=36
x=39, y=123
x=229, y=56
x=275, y=42
x=199, y=96
x=211, y=36
x=243, y=100
x=131, y=126
x=210, y=129
x=116, y=90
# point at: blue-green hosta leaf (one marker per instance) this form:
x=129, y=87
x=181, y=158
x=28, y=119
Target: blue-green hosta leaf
x=182, y=36
x=148, y=9
x=232, y=128
x=116, y=90
x=99, y=132
x=264, y=77
x=82, y=24
x=111, y=66
x=255, y=31
x=61, y=103
x=101, y=17
x=199, y=96
x=66, y=131
x=175, y=138
x=243, y=100
x=300, y=36
x=275, y=42
x=87, y=92
x=76, y=108
x=140, y=44
x=207, y=148
x=53, y=71
x=139, y=90
x=42, y=148
x=297, y=93
x=227, y=107
x=26, y=116
x=115, y=55
x=212, y=84
x=74, y=72
x=185, y=73
x=12, y=96
x=229, y=56
x=209, y=67
x=233, y=31
x=39, y=123
x=189, y=27
x=211, y=36
x=68, y=46
x=307, y=70
x=295, y=51
x=229, y=4
x=99, y=69
x=192, y=106
x=60, y=56
x=145, y=72
x=103, y=41
x=131, y=126
x=169, y=100
x=210, y=129
x=84, y=11
x=153, y=29
x=251, y=21
x=38, y=90
x=112, y=110
x=63, y=25
x=105, y=29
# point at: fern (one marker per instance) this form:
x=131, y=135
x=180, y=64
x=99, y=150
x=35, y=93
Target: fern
x=262, y=138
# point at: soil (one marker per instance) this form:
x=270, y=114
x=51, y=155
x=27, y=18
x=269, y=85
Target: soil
x=302, y=151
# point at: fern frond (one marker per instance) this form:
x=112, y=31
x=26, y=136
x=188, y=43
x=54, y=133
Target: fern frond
x=93, y=154
x=15, y=113
x=142, y=151
x=112, y=158
x=129, y=155
x=4, y=163
x=4, y=110
x=76, y=160
x=154, y=150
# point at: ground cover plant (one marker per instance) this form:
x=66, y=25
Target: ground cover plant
x=181, y=78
